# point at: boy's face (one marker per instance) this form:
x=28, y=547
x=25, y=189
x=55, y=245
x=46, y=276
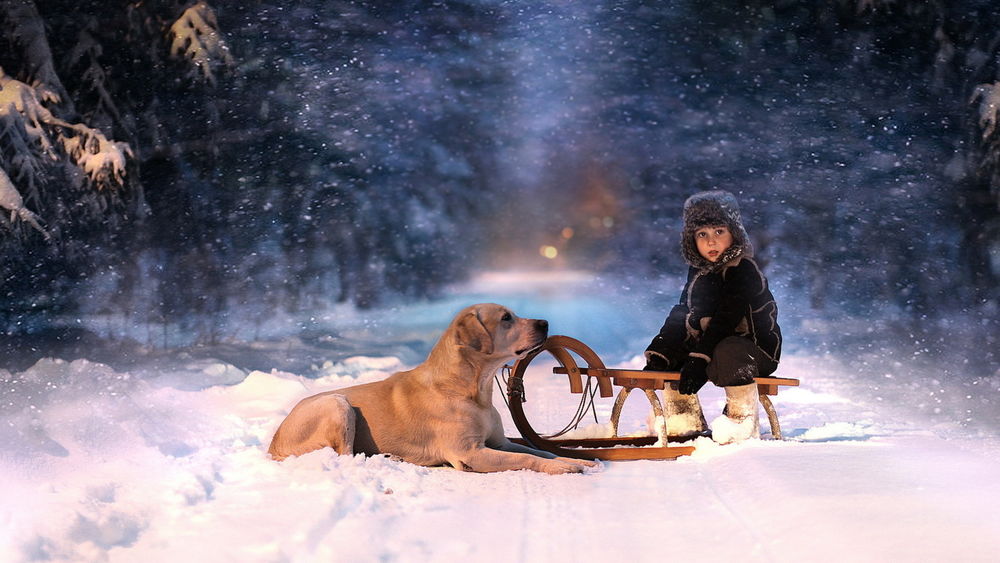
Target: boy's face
x=712, y=241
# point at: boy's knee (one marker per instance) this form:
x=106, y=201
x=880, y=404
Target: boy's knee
x=734, y=347
x=733, y=362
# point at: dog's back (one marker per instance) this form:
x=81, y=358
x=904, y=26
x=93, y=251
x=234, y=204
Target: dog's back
x=382, y=417
x=319, y=421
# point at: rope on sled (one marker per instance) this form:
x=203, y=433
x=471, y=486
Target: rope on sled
x=586, y=400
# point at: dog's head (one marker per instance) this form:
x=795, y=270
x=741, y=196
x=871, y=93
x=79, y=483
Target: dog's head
x=494, y=330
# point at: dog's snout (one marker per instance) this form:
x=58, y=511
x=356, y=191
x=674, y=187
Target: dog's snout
x=542, y=325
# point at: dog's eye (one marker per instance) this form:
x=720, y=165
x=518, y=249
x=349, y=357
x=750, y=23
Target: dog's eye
x=506, y=317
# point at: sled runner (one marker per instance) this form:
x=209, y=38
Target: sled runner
x=600, y=379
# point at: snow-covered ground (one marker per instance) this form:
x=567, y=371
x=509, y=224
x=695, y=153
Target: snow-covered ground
x=166, y=461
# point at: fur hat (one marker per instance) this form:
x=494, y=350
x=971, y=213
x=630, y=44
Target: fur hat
x=717, y=207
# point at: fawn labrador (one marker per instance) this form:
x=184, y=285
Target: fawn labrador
x=440, y=412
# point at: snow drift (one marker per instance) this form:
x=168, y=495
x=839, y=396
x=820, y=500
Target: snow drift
x=106, y=465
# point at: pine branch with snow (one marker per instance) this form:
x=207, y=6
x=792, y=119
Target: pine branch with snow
x=26, y=25
x=102, y=160
x=196, y=38
x=28, y=124
x=10, y=199
x=989, y=106
x=85, y=58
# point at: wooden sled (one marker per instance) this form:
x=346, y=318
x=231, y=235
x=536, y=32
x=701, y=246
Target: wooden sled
x=602, y=380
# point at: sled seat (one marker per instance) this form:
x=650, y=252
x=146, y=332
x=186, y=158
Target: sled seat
x=650, y=381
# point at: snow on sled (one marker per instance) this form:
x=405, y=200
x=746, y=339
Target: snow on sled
x=602, y=380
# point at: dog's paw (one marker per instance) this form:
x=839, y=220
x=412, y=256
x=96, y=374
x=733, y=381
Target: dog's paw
x=584, y=462
x=556, y=467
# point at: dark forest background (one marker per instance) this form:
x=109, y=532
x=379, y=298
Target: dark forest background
x=365, y=152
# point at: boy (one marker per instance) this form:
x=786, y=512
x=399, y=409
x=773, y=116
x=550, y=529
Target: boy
x=724, y=328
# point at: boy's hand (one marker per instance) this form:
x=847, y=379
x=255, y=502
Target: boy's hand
x=693, y=376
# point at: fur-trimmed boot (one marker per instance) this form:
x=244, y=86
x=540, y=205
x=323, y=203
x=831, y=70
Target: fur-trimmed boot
x=683, y=414
x=739, y=420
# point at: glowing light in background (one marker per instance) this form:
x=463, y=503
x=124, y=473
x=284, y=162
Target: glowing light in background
x=548, y=251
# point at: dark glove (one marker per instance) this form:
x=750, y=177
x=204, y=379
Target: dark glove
x=656, y=363
x=693, y=376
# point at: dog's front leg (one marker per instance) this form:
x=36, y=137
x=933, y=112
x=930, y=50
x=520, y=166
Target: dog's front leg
x=488, y=460
x=509, y=446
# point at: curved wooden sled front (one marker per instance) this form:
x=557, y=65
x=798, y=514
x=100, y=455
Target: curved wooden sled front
x=609, y=449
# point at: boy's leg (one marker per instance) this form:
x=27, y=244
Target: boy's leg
x=683, y=412
x=734, y=362
x=734, y=365
x=740, y=420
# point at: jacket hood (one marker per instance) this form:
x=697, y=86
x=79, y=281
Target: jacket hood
x=717, y=207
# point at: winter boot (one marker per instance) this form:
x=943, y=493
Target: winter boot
x=739, y=420
x=683, y=414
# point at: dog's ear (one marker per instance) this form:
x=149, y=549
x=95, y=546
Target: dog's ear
x=471, y=332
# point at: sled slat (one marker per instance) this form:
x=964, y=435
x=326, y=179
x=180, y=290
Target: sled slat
x=638, y=375
x=626, y=454
x=637, y=441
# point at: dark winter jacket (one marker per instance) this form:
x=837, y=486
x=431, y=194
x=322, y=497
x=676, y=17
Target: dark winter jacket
x=729, y=297
x=734, y=301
